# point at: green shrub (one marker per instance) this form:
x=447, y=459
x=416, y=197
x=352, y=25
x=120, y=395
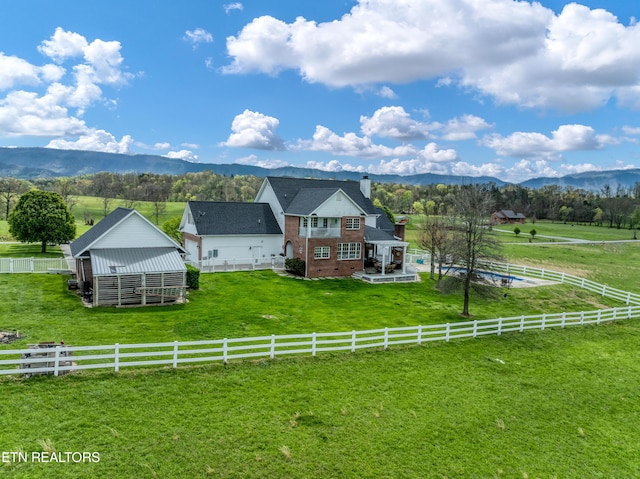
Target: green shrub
x=294, y=266
x=516, y=230
x=193, y=277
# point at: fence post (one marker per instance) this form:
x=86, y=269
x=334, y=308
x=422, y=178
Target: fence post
x=562, y=277
x=598, y=317
x=522, y=323
x=175, y=354
x=419, y=335
x=272, y=353
x=56, y=361
x=581, y=318
x=353, y=341
x=386, y=338
x=499, y=326
x=615, y=311
x=447, y=331
x=31, y=265
x=564, y=319
x=628, y=298
x=604, y=289
x=544, y=318
x=116, y=357
x=224, y=350
x=582, y=283
x=313, y=344
x=542, y=273
x=10, y=265
x=475, y=328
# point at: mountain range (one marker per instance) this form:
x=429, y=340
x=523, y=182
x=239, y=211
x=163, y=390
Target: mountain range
x=31, y=163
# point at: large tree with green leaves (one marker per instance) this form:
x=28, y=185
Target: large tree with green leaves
x=42, y=217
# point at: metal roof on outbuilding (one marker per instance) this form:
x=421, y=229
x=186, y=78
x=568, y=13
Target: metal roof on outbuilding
x=111, y=262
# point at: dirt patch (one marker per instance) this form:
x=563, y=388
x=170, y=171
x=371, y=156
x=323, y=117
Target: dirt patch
x=8, y=336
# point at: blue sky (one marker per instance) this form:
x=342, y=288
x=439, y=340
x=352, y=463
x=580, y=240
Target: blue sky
x=508, y=89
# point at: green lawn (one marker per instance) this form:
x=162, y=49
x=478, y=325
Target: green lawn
x=42, y=309
x=541, y=404
x=560, y=403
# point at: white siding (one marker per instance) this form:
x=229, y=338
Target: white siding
x=192, y=250
x=133, y=232
x=187, y=225
x=267, y=195
x=237, y=247
x=338, y=205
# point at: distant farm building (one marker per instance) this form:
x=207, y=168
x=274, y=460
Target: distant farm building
x=507, y=217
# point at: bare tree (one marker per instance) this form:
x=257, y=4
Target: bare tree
x=474, y=242
x=435, y=236
x=10, y=190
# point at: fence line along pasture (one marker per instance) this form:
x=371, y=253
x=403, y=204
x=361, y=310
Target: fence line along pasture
x=63, y=359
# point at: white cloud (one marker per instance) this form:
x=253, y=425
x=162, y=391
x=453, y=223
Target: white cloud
x=432, y=153
x=464, y=128
x=197, y=36
x=395, y=122
x=536, y=145
x=229, y=7
x=254, y=130
x=185, y=155
x=254, y=161
x=518, y=52
x=162, y=146
x=386, y=92
x=630, y=130
x=95, y=140
x=27, y=114
x=351, y=144
x=63, y=45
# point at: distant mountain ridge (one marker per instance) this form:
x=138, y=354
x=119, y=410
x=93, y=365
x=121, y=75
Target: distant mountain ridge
x=30, y=163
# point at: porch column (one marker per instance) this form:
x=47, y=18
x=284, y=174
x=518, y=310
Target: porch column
x=384, y=263
x=404, y=259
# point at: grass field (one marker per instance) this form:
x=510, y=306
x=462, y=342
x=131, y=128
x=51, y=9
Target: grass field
x=557, y=403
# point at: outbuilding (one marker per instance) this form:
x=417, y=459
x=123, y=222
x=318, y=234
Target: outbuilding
x=125, y=260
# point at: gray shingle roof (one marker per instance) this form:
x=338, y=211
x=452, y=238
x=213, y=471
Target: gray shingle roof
x=286, y=190
x=100, y=228
x=222, y=218
x=375, y=234
x=309, y=199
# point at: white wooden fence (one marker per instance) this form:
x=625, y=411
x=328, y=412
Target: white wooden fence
x=172, y=354
x=188, y=352
x=215, y=265
x=32, y=265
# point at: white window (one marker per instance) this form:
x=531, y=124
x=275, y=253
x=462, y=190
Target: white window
x=353, y=223
x=316, y=222
x=321, y=252
x=349, y=250
x=212, y=253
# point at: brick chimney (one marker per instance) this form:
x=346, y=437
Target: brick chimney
x=365, y=186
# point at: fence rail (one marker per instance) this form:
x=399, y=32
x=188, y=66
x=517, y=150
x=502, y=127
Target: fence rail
x=32, y=265
x=75, y=358
x=214, y=265
x=117, y=356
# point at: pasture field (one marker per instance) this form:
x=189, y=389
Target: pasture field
x=539, y=404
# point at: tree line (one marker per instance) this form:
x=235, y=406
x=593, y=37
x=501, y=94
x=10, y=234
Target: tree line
x=617, y=207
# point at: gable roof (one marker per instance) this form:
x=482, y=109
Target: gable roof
x=82, y=243
x=233, y=218
x=109, y=223
x=287, y=189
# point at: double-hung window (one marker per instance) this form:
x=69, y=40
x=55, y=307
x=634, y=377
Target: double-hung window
x=353, y=223
x=321, y=252
x=349, y=250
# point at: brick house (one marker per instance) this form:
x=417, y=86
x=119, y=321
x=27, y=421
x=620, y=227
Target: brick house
x=331, y=225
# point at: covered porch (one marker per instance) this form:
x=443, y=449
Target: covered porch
x=385, y=262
